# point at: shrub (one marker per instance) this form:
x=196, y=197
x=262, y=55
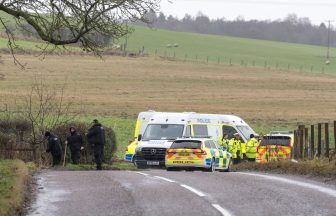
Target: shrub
x=62, y=131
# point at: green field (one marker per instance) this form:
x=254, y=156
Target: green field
x=239, y=50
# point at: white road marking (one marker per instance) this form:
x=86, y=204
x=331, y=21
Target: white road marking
x=197, y=192
x=223, y=211
x=325, y=190
x=144, y=174
x=165, y=179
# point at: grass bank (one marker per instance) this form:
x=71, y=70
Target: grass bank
x=13, y=177
x=315, y=168
x=115, y=166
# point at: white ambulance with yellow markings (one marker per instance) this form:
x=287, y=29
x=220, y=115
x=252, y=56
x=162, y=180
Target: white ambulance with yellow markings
x=140, y=127
x=163, y=128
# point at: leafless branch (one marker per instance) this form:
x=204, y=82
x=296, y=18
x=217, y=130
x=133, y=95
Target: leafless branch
x=63, y=22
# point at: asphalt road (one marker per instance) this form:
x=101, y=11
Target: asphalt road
x=157, y=192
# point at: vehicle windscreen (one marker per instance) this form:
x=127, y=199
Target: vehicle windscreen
x=276, y=140
x=245, y=130
x=186, y=145
x=163, y=132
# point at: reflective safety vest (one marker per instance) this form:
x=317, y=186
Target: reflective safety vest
x=251, y=148
x=232, y=148
x=224, y=143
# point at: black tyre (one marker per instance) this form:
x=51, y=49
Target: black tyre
x=229, y=169
x=170, y=169
x=139, y=166
x=212, y=168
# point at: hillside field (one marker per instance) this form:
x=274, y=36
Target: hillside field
x=237, y=51
x=116, y=89
x=241, y=51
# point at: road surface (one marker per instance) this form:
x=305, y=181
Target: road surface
x=157, y=192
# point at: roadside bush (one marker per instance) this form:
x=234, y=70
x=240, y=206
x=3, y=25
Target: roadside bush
x=62, y=131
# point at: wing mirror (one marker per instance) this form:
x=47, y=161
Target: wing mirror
x=139, y=137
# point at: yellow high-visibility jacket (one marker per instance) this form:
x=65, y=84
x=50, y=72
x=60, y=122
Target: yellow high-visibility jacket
x=224, y=143
x=232, y=147
x=251, y=148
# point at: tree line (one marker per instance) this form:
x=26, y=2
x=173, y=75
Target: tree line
x=292, y=29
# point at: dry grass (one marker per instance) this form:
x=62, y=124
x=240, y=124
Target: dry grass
x=317, y=168
x=120, y=86
x=13, y=177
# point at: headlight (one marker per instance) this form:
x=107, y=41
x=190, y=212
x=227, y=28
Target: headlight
x=138, y=149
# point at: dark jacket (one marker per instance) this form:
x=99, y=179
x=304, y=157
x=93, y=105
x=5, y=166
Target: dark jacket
x=54, y=145
x=96, y=135
x=75, y=141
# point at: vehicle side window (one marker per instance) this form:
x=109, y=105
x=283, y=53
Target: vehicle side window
x=188, y=131
x=229, y=130
x=200, y=130
x=213, y=145
x=207, y=144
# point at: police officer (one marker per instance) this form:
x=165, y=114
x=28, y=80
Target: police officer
x=251, y=148
x=96, y=137
x=238, y=146
x=75, y=140
x=224, y=141
x=54, y=147
x=232, y=148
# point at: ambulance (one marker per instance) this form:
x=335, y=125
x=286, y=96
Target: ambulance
x=163, y=128
x=140, y=126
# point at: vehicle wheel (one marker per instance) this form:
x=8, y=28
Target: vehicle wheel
x=213, y=166
x=230, y=166
x=139, y=166
x=133, y=161
x=169, y=169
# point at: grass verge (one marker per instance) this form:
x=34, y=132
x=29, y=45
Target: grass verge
x=13, y=177
x=120, y=165
x=316, y=168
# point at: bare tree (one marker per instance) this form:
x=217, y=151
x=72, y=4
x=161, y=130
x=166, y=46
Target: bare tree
x=45, y=107
x=62, y=22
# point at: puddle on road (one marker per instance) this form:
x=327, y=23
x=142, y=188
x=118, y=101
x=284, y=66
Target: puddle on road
x=47, y=197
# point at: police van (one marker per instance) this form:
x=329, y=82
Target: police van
x=163, y=128
x=140, y=127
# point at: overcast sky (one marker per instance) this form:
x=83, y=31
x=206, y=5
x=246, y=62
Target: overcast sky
x=317, y=10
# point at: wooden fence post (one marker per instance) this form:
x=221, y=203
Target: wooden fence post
x=312, y=141
x=326, y=130
x=335, y=135
x=295, y=147
x=301, y=140
x=306, y=143
x=319, y=139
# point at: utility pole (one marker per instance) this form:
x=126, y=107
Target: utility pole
x=328, y=50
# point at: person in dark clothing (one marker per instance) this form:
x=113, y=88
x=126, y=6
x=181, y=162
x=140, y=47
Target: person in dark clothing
x=96, y=137
x=75, y=141
x=54, y=147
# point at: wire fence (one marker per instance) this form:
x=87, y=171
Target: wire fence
x=267, y=64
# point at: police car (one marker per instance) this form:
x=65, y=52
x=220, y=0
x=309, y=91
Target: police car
x=203, y=153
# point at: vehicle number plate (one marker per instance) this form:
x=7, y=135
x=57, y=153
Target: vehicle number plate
x=153, y=163
x=184, y=154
